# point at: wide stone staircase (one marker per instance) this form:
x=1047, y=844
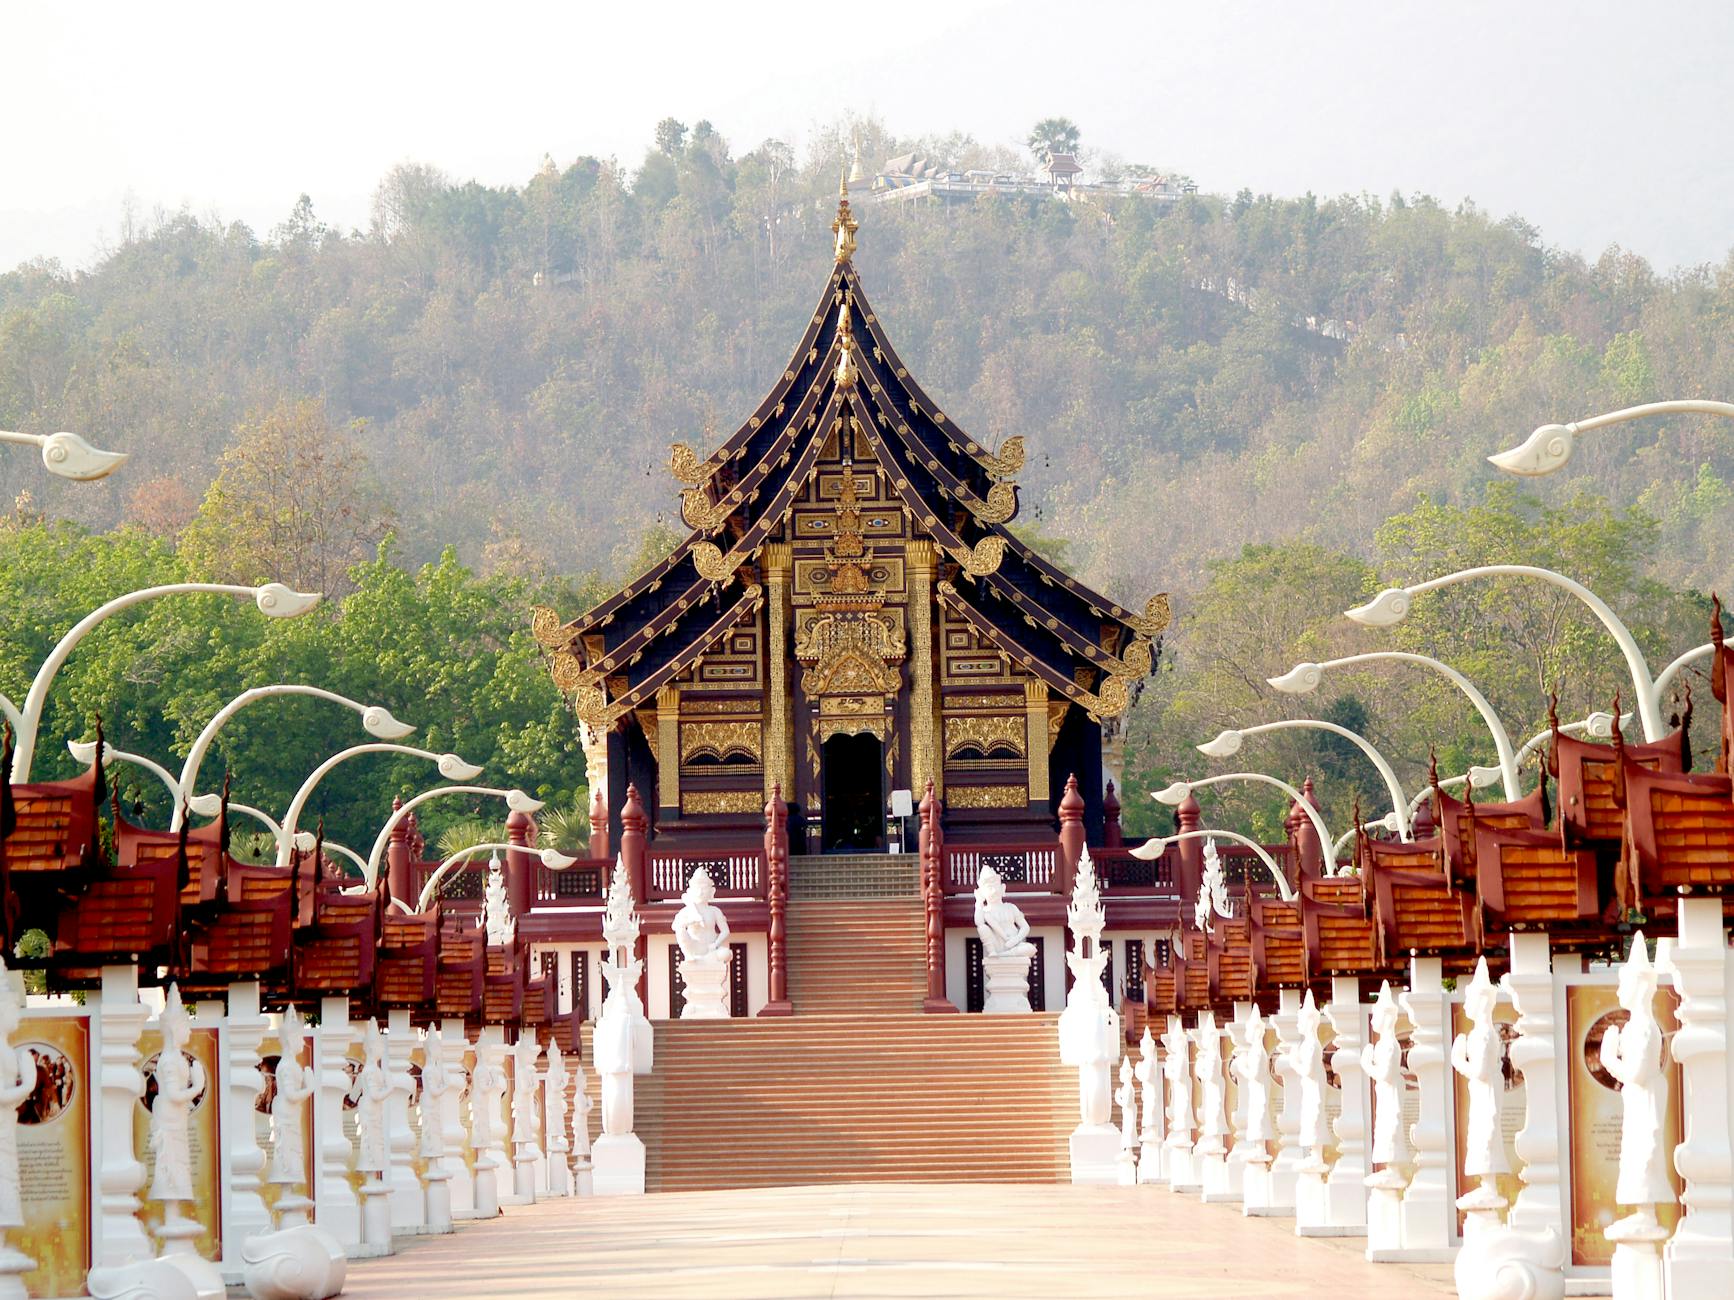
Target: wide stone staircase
x=858, y=1085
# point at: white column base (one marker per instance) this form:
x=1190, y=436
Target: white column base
x=1150, y=1164
x=145, y=1279
x=1267, y=1192
x=177, y=1235
x=439, y=1198
x=294, y=1263
x=1384, y=1216
x=707, y=986
x=375, y=1219
x=1220, y=1180
x=1255, y=1186
x=1095, y=1150
x=524, y=1181
x=1126, y=1167
x=617, y=1165
x=1007, y=978
x=1497, y=1261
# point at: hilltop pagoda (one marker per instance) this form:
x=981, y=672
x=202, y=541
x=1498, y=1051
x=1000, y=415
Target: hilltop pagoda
x=849, y=617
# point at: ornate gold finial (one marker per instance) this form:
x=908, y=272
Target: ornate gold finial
x=847, y=371
x=845, y=226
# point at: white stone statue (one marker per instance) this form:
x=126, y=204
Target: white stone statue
x=487, y=1087
x=1006, y=950
x=1306, y=1059
x=17, y=1082
x=526, y=1114
x=554, y=1082
x=702, y=931
x=1148, y=1074
x=294, y=1086
x=619, y=1047
x=497, y=907
x=1090, y=1033
x=436, y=1083
x=1212, y=1119
x=370, y=1092
x=1212, y=898
x=1177, y=1068
x=179, y=1081
x=299, y=1261
x=1251, y=1065
x=1126, y=1097
x=1382, y=1059
x=1479, y=1057
x=1632, y=1053
x=582, y=1184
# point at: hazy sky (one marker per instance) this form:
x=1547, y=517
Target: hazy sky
x=1601, y=123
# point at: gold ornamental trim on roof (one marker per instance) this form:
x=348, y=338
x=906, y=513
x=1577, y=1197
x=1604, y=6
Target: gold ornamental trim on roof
x=700, y=514
x=1154, y=620
x=845, y=225
x=982, y=559
x=1007, y=462
x=684, y=463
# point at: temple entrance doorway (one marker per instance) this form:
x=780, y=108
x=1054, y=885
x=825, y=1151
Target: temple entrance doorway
x=852, y=788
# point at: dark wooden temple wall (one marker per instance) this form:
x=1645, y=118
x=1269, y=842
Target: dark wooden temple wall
x=1078, y=752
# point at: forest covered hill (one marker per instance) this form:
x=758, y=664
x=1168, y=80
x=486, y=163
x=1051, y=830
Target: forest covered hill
x=502, y=370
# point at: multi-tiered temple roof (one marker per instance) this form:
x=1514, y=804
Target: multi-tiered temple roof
x=850, y=461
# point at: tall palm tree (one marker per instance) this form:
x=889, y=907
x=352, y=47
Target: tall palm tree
x=1053, y=135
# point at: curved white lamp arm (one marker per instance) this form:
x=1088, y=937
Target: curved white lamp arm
x=273, y=599
x=553, y=859
x=69, y=456
x=1665, y=678
x=1150, y=850
x=1550, y=446
x=1385, y=823
x=1305, y=677
x=209, y=805
x=376, y=720
x=1228, y=743
x=516, y=800
x=85, y=751
x=9, y=711
x=1175, y=794
x=1392, y=605
x=451, y=767
x=306, y=841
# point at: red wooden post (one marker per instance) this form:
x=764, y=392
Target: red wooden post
x=932, y=846
x=520, y=830
x=598, y=824
x=397, y=864
x=633, y=824
x=1189, y=869
x=1308, y=851
x=777, y=895
x=1071, y=837
x=1111, y=836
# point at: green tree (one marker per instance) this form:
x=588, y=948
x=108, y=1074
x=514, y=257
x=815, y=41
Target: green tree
x=1052, y=135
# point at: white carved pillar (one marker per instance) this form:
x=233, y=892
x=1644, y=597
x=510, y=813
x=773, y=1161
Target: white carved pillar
x=461, y=1186
x=1285, y=1168
x=1236, y=1031
x=1177, y=1070
x=120, y=1018
x=246, y=1215
x=1428, y=1214
x=1149, y=1072
x=1540, y=1204
x=335, y=1207
x=487, y=1119
x=408, y=1201
x=1699, y=1259
x=1215, y=1174
x=1346, y=1186
x=583, y=1179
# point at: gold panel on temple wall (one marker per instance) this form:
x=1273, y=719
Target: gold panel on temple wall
x=1056, y=718
x=985, y=732
x=720, y=801
x=692, y=708
x=998, y=702
x=813, y=576
x=733, y=663
x=647, y=723
x=820, y=524
x=667, y=747
x=969, y=659
x=830, y=484
x=779, y=736
x=987, y=796
x=720, y=740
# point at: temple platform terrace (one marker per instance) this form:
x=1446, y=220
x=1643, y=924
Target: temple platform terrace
x=857, y=1240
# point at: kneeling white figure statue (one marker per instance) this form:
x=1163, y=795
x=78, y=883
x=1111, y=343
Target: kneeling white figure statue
x=702, y=931
x=1005, y=947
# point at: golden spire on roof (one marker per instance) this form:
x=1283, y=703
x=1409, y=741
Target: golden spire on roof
x=846, y=372
x=845, y=226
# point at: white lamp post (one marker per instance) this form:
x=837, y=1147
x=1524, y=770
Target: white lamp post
x=1175, y=794
x=85, y=752
x=450, y=766
x=1305, y=677
x=1392, y=605
x=307, y=841
x=67, y=455
x=1152, y=849
x=551, y=858
x=273, y=599
x=1550, y=446
x=1227, y=743
x=376, y=721
x=516, y=800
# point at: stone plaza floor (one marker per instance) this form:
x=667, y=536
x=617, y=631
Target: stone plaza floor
x=884, y=1239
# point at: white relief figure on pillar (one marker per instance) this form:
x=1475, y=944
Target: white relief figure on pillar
x=1149, y=1076
x=702, y=931
x=370, y=1093
x=179, y=1082
x=1126, y=1097
x=294, y=1087
x=487, y=1086
x=621, y=1047
x=1306, y=1060
x=526, y=1113
x=497, y=907
x=1632, y=1053
x=1251, y=1065
x=555, y=1080
x=436, y=1082
x=1382, y=1059
x=1213, y=1124
x=1177, y=1068
x=17, y=1082
x=1005, y=945
x=1479, y=1056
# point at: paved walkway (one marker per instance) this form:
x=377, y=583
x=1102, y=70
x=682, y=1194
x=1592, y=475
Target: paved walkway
x=822, y=1243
